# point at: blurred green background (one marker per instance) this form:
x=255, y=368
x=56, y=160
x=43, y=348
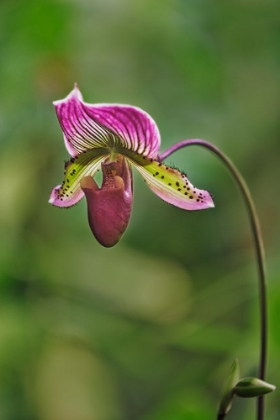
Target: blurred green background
x=146, y=330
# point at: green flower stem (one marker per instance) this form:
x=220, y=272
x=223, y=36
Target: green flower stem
x=255, y=226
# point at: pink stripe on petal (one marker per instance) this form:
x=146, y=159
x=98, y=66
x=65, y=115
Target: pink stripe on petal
x=70, y=149
x=81, y=132
x=87, y=126
x=132, y=124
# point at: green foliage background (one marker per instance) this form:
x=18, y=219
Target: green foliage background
x=146, y=330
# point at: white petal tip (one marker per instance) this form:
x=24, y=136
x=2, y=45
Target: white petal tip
x=75, y=93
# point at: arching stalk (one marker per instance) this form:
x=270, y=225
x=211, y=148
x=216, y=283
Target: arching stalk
x=258, y=243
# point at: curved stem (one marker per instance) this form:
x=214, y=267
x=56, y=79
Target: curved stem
x=259, y=249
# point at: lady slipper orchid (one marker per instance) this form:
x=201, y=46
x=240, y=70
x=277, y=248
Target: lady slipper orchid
x=114, y=137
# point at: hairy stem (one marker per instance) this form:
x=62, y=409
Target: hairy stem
x=258, y=243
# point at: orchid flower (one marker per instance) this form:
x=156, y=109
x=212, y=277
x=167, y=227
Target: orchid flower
x=113, y=138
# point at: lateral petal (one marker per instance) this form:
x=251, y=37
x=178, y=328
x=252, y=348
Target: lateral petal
x=172, y=185
x=69, y=192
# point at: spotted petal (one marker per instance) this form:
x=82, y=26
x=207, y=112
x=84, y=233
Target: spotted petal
x=170, y=184
x=86, y=164
x=88, y=126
